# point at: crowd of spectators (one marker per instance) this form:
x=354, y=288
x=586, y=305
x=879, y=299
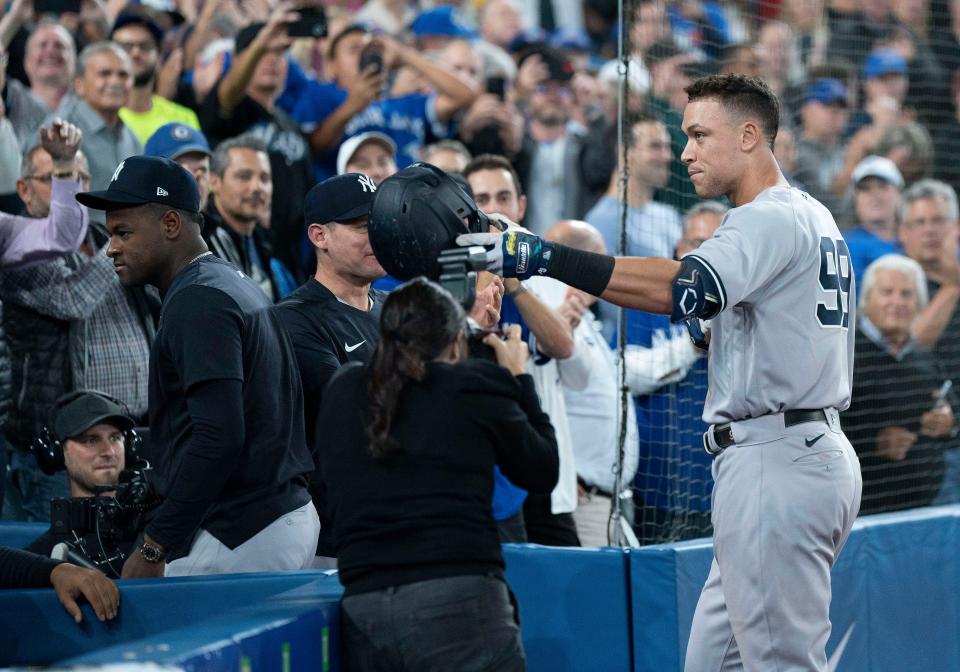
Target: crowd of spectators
x=521, y=99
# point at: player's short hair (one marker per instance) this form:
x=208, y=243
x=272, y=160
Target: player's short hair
x=493, y=162
x=220, y=160
x=704, y=207
x=743, y=96
x=159, y=209
x=895, y=262
x=103, y=47
x=933, y=189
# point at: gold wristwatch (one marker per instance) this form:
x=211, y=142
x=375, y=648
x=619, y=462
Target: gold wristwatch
x=151, y=552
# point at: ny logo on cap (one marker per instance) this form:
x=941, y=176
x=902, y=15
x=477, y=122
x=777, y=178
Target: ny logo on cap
x=367, y=183
x=162, y=192
x=116, y=173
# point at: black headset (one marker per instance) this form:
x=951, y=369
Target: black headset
x=47, y=448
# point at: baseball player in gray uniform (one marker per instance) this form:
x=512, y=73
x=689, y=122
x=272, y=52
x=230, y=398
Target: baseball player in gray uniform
x=775, y=284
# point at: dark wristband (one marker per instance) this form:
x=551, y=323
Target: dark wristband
x=588, y=271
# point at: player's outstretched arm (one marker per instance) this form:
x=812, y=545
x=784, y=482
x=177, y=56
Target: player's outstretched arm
x=643, y=283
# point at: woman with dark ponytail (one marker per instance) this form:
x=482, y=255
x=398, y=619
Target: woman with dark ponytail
x=411, y=442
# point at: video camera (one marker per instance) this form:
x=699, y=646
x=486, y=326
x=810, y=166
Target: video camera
x=98, y=532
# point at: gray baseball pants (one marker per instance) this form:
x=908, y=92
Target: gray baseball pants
x=784, y=502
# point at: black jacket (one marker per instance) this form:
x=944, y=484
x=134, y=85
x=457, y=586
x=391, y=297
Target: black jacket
x=424, y=512
x=890, y=392
x=229, y=246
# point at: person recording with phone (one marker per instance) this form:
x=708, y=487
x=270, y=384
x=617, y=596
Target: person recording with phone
x=245, y=101
x=354, y=101
x=411, y=441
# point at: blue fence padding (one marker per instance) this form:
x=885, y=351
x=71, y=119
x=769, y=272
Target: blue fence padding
x=895, y=608
x=295, y=630
x=147, y=608
x=18, y=535
x=657, y=623
x=895, y=601
x=574, y=610
x=897, y=583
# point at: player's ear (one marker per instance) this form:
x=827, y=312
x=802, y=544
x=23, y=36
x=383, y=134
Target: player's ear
x=317, y=233
x=171, y=224
x=750, y=135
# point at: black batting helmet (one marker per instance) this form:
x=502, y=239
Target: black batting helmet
x=416, y=214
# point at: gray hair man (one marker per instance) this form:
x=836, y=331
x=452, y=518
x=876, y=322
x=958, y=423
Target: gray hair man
x=899, y=422
x=103, y=84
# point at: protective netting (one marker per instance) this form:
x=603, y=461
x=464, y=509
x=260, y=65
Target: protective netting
x=869, y=116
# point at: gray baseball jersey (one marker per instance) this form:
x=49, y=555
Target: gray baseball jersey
x=784, y=337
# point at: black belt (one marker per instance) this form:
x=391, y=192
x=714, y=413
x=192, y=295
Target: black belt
x=723, y=434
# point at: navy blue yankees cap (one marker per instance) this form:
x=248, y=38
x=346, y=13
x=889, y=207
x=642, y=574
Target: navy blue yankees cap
x=139, y=180
x=339, y=199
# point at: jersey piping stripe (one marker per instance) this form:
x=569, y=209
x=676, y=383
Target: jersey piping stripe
x=716, y=279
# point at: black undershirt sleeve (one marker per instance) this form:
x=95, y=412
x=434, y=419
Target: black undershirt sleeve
x=217, y=437
x=20, y=569
x=588, y=271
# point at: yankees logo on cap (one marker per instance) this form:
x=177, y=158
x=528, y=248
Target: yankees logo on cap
x=367, y=183
x=137, y=181
x=339, y=199
x=116, y=173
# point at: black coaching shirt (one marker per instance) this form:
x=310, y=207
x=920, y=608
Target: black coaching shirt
x=326, y=334
x=215, y=325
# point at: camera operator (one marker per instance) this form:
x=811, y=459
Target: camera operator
x=90, y=429
x=410, y=484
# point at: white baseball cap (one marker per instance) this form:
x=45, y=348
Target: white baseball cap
x=878, y=166
x=352, y=144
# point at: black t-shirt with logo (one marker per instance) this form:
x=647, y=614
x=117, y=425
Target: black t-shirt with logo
x=326, y=334
x=217, y=325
